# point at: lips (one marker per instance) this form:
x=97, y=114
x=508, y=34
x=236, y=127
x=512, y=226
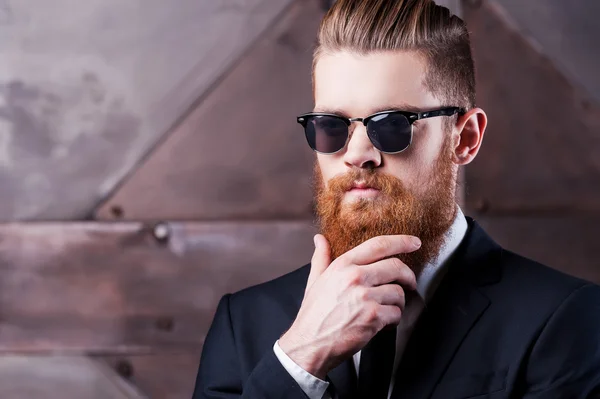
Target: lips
x=362, y=186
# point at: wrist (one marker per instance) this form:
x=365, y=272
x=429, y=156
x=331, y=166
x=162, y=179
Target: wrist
x=304, y=354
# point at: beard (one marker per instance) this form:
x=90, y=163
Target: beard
x=395, y=210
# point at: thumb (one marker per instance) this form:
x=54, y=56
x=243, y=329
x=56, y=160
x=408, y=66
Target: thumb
x=320, y=260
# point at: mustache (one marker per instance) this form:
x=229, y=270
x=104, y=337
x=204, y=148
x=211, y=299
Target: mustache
x=370, y=177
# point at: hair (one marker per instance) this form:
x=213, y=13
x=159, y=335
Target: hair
x=421, y=26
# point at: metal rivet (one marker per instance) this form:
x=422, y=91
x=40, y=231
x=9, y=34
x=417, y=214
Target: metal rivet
x=124, y=368
x=161, y=232
x=117, y=211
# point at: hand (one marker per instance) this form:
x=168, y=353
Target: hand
x=348, y=301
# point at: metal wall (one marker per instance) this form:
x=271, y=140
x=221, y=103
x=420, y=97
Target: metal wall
x=140, y=182
x=536, y=182
x=87, y=88
x=196, y=198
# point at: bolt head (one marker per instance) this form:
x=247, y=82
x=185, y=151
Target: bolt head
x=161, y=232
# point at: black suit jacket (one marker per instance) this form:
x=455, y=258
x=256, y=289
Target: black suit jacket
x=498, y=326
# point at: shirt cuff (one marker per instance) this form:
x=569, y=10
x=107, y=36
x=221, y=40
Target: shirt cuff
x=312, y=386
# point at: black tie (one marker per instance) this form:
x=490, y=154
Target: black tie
x=376, y=363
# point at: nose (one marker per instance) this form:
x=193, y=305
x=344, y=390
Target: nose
x=360, y=152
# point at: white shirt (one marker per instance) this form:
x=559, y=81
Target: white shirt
x=427, y=282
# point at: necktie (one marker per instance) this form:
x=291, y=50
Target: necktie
x=376, y=364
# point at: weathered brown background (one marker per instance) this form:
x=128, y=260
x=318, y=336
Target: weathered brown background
x=140, y=182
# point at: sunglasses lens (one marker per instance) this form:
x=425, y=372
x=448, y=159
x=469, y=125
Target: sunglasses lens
x=390, y=132
x=326, y=134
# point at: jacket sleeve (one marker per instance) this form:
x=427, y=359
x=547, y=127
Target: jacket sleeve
x=219, y=373
x=565, y=361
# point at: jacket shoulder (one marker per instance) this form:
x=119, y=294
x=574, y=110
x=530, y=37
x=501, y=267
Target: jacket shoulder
x=527, y=270
x=261, y=313
x=292, y=280
x=284, y=291
x=534, y=285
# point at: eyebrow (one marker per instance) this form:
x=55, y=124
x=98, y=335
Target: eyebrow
x=394, y=107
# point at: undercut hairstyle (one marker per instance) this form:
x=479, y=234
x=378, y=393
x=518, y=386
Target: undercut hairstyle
x=421, y=26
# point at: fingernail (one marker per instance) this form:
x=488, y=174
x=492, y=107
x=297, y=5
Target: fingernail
x=416, y=242
x=316, y=241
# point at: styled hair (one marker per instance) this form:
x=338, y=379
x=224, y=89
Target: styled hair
x=430, y=30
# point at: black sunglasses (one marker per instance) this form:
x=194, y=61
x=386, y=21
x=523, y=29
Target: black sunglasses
x=389, y=131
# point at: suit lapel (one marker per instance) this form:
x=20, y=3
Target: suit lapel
x=439, y=332
x=455, y=308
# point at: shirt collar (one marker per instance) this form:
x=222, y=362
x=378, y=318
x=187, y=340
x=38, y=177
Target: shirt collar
x=431, y=275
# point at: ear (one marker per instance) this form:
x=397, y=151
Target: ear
x=470, y=127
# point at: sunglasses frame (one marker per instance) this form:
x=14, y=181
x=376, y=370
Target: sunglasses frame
x=410, y=116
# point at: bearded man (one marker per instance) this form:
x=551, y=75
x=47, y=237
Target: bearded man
x=405, y=297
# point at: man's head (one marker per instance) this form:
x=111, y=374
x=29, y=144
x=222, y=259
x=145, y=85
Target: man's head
x=382, y=55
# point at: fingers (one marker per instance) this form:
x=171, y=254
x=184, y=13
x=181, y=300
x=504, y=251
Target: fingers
x=381, y=315
x=320, y=260
x=389, y=294
x=391, y=270
x=390, y=315
x=381, y=247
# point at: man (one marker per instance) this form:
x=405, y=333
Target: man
x=405, y=297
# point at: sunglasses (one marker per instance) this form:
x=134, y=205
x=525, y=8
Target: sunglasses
x=390, y=131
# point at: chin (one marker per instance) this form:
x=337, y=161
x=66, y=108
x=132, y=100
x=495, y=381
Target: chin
x=363, y=205
x=356, y=200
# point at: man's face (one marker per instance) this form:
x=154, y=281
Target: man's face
x=358, y=86
x=411, y=192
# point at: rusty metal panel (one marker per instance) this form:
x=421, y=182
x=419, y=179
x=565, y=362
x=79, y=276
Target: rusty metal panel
x=61, y=377
x=567, y=243
x=567, y=31
x=540, y=152
x=130, y=287
x=239, y=153
x=88, y=87
x=163, y=376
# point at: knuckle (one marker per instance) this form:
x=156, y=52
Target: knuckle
x=396, y=315
x=372, y=313
x=410, y=276
x=363, y=294
x=413, y=279
x=399, y=291
x=341, y=260
x=381, y=244
x=402, y=303
x=355, y=277
x=397, y=263
x=407, y=243
x=405, y=273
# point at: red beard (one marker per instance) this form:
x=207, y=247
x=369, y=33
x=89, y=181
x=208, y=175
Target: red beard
x=395, y=210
